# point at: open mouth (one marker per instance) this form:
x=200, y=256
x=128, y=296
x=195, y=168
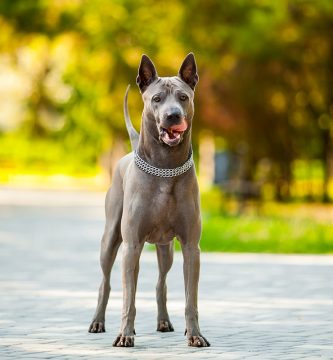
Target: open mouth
x=173, y=135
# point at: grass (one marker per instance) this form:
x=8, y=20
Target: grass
x=267, y=234
x=275, y=228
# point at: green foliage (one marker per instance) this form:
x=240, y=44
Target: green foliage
x=45, y=156
x=265, y=68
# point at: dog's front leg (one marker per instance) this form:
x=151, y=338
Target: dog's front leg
x=130, y=269
x=165, y=259
x=191, y=254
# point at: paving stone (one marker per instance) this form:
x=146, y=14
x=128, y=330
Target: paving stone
x=251, y=306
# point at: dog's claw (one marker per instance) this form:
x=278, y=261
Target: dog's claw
x=165, y=326
x=97, y=327
x=198, y=341
x=124, y=341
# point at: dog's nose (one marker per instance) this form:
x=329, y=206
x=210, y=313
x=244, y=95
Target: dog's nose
x=173, y=116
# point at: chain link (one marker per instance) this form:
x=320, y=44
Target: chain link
x=149, y=169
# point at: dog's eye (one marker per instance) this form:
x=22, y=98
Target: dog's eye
x=183, y=97
x=156, y=98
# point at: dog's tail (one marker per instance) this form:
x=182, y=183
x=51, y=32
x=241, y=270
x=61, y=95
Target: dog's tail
x=133, y=134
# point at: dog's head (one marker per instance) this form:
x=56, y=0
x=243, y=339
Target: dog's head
x=168, y=101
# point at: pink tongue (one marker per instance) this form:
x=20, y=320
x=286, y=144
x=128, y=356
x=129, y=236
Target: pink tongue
x=180, y=128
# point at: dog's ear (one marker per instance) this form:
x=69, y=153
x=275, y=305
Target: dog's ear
x=147, y=73
x=188, y=71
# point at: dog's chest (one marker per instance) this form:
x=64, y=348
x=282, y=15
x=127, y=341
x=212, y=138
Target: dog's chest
x=164, y=204
x=158, y=213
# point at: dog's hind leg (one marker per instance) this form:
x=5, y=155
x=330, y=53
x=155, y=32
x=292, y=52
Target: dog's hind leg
x=165, y=259
x=110, y=243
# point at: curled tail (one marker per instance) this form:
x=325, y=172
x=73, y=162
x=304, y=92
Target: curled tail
x=133, y=134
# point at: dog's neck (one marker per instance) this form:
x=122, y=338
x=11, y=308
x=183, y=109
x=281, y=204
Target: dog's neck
x=158, y=154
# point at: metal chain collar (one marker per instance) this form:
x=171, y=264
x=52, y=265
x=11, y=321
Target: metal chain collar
x=166, y=173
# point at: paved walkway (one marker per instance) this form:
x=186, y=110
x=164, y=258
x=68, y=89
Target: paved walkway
x=251, y=306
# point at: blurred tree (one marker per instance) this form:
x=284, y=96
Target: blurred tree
x=268, y=66
x=266, y=69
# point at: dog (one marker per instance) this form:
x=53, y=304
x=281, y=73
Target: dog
x=154, y=197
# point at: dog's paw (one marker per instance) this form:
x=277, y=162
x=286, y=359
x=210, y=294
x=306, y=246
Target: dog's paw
x=197, y=341
x=165, y=326
x=97, y=327
x=124, y=341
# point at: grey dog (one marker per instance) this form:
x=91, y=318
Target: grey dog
x=154, y=197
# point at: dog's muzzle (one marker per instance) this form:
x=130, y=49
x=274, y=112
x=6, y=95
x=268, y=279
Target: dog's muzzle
x=173, y=135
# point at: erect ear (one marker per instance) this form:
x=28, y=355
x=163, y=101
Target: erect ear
x=188, y=71
x=147, y=73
